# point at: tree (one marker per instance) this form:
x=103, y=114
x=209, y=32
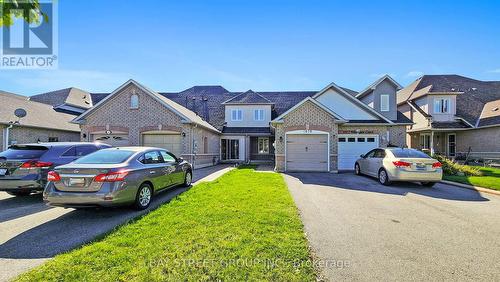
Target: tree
x=29, y=10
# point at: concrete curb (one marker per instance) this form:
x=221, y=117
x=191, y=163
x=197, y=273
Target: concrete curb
x=470, y=187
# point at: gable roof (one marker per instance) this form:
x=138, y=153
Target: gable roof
x=355, y=100
x=309, y=99
x=69, y=96
x=372, y=86
x=185, y=114
x=248, y=97
x=473, y=96
x=38, y=114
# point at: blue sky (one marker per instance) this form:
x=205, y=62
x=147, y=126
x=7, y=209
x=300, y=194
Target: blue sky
x=265, y=45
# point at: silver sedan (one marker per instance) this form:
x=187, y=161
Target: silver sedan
x=116, y=176
x=399, y=164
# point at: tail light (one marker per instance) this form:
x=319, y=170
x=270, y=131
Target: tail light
x=401, y=164
x=111, y=176
x=34, y=164
x=53, y=176
x=436, y=165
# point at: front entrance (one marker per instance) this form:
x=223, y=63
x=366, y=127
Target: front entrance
x=230, y=149
x=452, y=137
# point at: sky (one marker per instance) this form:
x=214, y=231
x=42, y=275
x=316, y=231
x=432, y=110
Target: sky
x=264, y=45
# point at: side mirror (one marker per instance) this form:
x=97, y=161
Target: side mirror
x=180, y=159
x=362, y=156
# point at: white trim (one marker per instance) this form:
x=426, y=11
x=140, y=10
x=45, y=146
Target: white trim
x=258, y=115
x=239, y=115
x=385, y=98
x=339, y=118
x=350, y=97
x=308, y=132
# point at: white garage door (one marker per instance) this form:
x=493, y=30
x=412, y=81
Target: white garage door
x=351, y=147
x=307, y=152
x=171, y=142
x=115, y=140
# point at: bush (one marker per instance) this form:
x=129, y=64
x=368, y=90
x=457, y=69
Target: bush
x=452, y=168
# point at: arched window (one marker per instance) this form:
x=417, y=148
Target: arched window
x=134, y=101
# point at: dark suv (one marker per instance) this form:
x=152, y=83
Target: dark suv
x=24, y=168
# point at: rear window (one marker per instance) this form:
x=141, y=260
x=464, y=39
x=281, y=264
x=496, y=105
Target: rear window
x=409, y=153
x=105, y=157
x=24, y=152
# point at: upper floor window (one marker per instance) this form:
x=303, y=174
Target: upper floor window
x=384, y=103
x=442, y=105
x=236, y=115
x=134, y=101
x=258, y=115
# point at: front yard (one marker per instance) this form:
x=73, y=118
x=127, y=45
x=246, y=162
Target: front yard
x=243, y=226
x=489, y=179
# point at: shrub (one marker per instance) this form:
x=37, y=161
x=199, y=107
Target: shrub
x=452, y=168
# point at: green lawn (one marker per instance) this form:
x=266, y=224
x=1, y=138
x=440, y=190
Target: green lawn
x=243, y=226
x=490, y=179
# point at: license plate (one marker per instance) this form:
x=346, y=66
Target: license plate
x=3, y=171
x=76, y=181
x=420, y=167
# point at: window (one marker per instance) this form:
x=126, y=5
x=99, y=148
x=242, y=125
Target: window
x=371, y=139
x=361, y=139
x=408, y=153
x=342, y=139
x=167, y=157
x=53, y=139
x=134, y=101
x=384, y=103
x=258, y=115
x=370, y=154
x=351, y=139
x=379, y=154
x=236, y=115
x=71, y=152
x=110, y=156
x=85, y=150
x=425, y=141
x=152, y=157
x=263, y=145
x=442, y=105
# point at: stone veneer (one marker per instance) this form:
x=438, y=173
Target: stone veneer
x=116, y=115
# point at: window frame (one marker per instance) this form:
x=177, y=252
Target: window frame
x=132, y=106
x=265, y=146
x=236, y=115
x=259, y=115
x=423, y=141
x=385, y=98
x=442, y=105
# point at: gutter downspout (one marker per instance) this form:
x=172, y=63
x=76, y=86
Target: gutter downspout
x=5, y=144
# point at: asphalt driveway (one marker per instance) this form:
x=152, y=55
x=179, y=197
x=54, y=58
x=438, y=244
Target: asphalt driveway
x=361, y=230
x=31, y=232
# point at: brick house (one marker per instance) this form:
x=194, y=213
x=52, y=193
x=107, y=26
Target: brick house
x=453, y=115
x=295, y=130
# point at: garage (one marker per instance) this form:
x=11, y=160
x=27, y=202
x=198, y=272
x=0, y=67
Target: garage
x=169, y=141
x=350, y=147
x=115, y=140
x=307, y=152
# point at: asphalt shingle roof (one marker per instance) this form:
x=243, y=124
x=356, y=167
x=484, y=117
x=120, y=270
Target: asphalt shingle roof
x=248, y=97
x=70, y=96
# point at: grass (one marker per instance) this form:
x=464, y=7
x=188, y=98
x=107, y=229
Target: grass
x=489, y=179
x=243, y=226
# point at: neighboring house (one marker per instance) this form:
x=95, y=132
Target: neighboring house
x=302, y=131
x=452, y=114
x=41, y=123
x=70, y=100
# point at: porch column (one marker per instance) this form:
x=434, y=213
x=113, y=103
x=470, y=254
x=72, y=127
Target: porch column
x=432, y=143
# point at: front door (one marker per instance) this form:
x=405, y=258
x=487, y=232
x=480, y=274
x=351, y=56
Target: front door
x=451, y=144
x=230, y=149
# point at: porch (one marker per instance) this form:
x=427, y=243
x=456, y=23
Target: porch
x=247, y=149
x=435, y=142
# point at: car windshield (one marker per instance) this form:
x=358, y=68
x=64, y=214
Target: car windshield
x=24, y=152
x=113, y=156
x=409, y=153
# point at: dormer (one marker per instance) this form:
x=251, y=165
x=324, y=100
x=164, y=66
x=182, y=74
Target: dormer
x=248, y=109
x=381, y=96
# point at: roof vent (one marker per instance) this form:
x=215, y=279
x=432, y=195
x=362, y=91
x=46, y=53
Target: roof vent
x=494, y=109
x=474, y=88
x=453, y=89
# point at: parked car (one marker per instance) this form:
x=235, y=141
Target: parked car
x=399, y=164
x=116, y=176
x=24, y=168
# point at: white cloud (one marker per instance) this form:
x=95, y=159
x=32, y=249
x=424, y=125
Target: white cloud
x=414, y=74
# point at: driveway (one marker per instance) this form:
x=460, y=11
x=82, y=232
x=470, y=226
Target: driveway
x=361, y=230
x=31, y=232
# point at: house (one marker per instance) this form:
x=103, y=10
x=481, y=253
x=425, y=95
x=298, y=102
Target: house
x=41, y=122
x=296, y=130
x=69, y=100
x=452, y=114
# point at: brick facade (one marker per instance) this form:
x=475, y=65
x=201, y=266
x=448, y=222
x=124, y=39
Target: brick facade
x=22, y=134
x=116, y=115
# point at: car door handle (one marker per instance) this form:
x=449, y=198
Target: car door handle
x=152, y=172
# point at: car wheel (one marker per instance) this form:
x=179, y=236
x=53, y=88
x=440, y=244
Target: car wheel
x=428, y=184
x=20, y=193
x=143, y=197
x=383, y=178
x=188, y=178
x=357, y=169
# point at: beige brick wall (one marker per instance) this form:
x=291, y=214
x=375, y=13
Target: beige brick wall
x=308, y=116
x=22, y=135
x=116, y=115
x=480, y=140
